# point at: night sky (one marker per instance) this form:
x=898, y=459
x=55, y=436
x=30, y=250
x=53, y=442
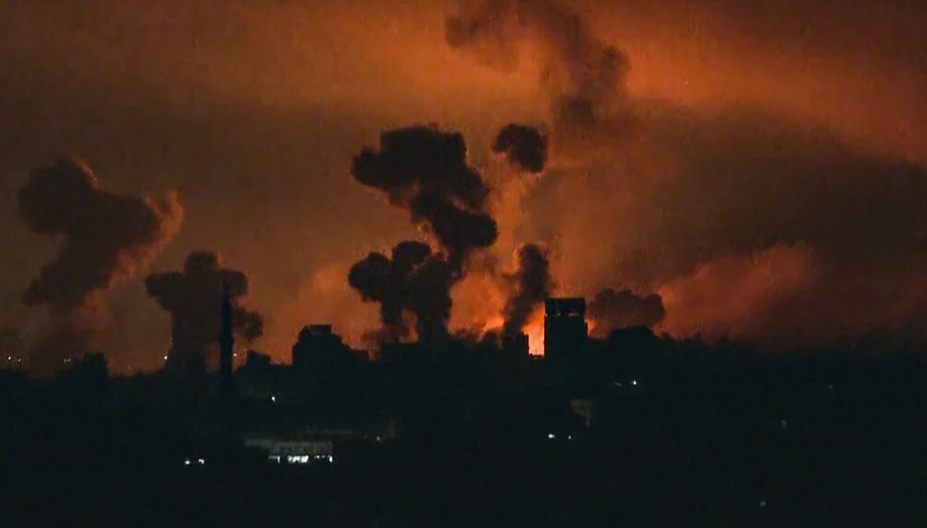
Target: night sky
x=775, y=185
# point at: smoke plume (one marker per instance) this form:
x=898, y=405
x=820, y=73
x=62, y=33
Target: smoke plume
x=585, y=77
x=532, y=284
x=105, y=238
x=423, y=170
x=524, y=147
x=613, y=310
x=193, y=297
x=414, y=280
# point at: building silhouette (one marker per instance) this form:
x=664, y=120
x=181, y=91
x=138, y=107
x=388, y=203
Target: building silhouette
x=185, y=361
x=319, y=347
x=515, y=345
x=566, y=333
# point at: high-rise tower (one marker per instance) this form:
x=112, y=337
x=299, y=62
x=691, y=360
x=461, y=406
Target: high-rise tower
x=565, y=330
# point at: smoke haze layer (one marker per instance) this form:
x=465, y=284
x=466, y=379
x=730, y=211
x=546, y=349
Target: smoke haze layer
x=701, y=188
x=613, y=310
x=105, y=238
x=584, y=77
x=796, y=218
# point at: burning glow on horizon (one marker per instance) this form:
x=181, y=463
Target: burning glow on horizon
x=535, y=332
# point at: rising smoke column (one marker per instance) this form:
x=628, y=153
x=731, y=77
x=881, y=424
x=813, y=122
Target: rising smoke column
x=194, y=299
x=105, y=238
x=585, y=77
x=531, y=286
x=613, y=310
x=524, y=151
x=414, y=280
x=423, y=170
x=387, y=282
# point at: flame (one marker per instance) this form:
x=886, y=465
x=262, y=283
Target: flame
x=535, y=331
x=494, y=323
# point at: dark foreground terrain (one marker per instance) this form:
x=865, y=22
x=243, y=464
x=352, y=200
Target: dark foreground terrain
x=825, y=456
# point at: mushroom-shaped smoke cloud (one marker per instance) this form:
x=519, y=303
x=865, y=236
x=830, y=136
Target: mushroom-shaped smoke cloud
x=194, y=299
x=425, y=171
x=106, y=238
x=414, y=280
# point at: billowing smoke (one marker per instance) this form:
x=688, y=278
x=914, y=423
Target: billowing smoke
x=523, y=146
x=613, y=310
x=414, y=280
x=193, y=297
x=531, y=285
x=747, y=225
x=105, y=238
x=585, y=77
x=423, y=170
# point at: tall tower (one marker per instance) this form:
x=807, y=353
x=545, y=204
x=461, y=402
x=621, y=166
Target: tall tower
x=226, y=344
x=565, y=330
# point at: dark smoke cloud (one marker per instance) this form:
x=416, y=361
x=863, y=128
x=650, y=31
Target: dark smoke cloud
x=524, y=147
x=194, y=299
x=613, y=310
x=414, y=280
x=532, y=284
x=424, y=170
x=106, y=238
x=586, y=77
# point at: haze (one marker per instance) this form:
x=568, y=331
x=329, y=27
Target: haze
x=781, y=165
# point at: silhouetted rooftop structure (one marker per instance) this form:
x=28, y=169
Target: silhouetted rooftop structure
x=317, y=346
x=565, y=330
x=515, y=345
x=257, y=360
x=565, y=307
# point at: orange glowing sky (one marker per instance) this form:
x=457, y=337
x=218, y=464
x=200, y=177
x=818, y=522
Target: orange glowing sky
x=252, y=110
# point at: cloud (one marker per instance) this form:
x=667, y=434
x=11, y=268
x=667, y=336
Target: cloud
x=425, y=171
x=105, y=238
x=193, y=297
x=613, y=310
x=531, y=285
x=585, y=77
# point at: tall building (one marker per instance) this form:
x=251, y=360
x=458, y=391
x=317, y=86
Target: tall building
x=565, y=330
